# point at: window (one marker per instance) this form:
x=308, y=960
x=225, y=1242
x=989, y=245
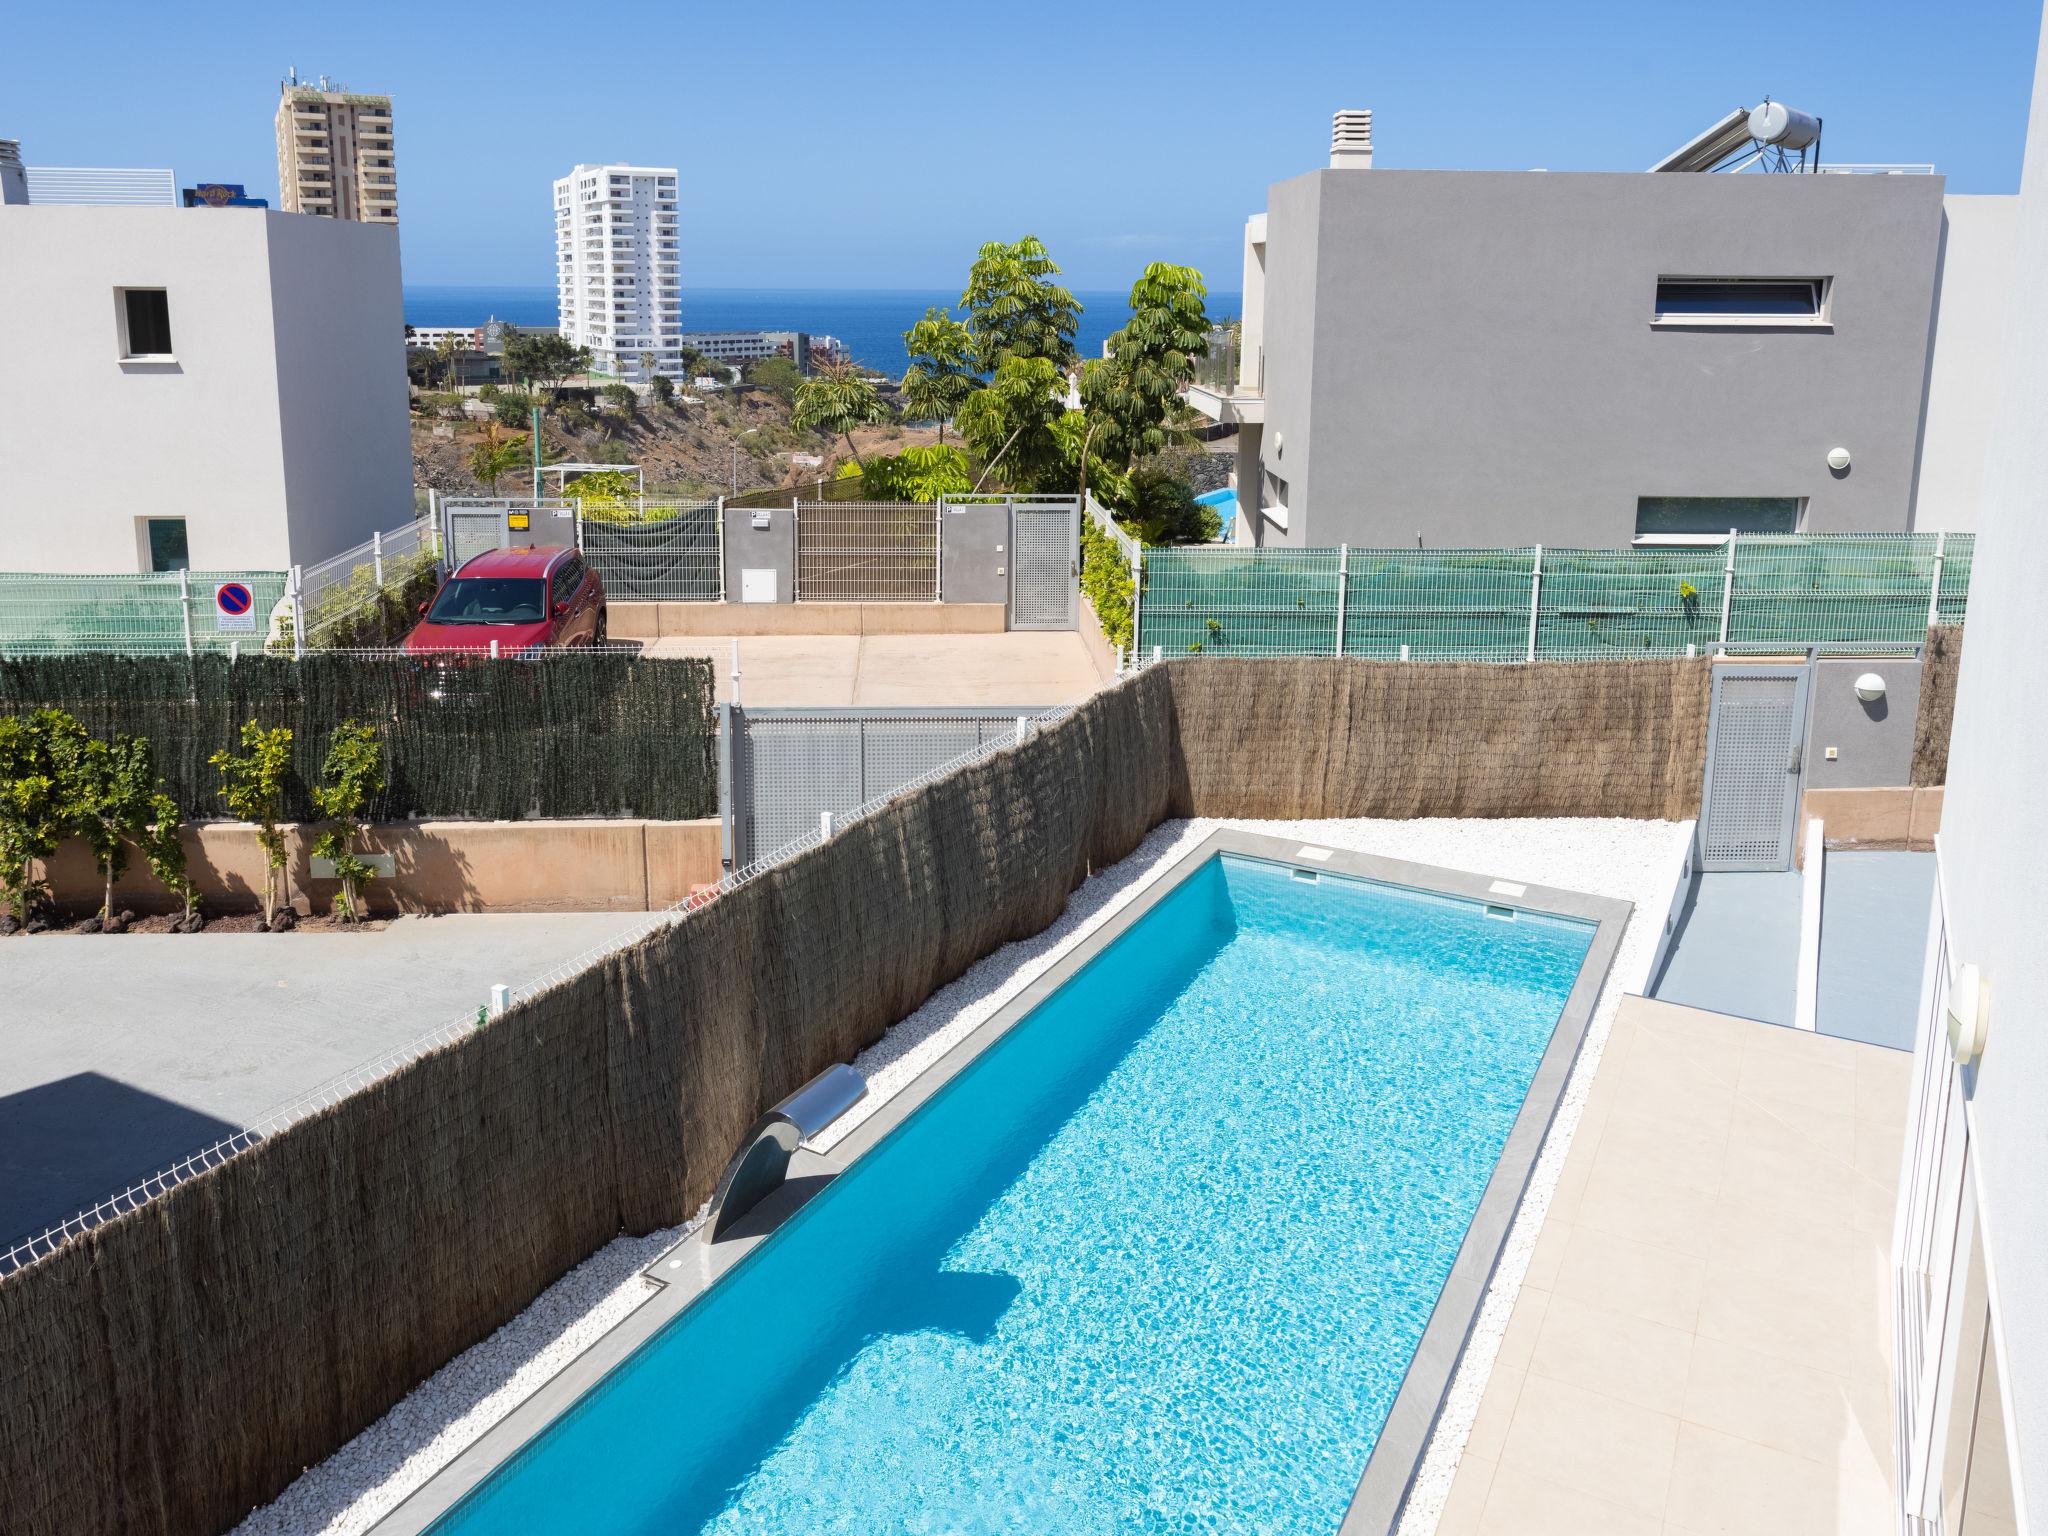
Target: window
x=1695, y=519
x=568, y=577
x=490, y=600
x=1742, y=300
x=167, y=548
x=145, y=322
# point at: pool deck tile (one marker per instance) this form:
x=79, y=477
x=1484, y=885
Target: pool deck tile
x=1708, y=1349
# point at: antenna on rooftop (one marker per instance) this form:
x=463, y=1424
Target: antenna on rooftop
x=1768, y=137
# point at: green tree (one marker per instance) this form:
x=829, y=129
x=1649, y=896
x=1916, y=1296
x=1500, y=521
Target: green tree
x=497, y=455
x=622, y=398
x=31, y=801
x=444, y=353
x=252, y=788
x=778, y=375
x=1130, y=396
x=105, y=788
x=941, y=374
x=647, y=361
x=838, y=398
x=163, y=845
x=543, y=357
x=923, y=473
x=351, y=777
x=663, y=389
x=1160, y=508
x=607, y=495
x=1012, y=424
x=1014, y=309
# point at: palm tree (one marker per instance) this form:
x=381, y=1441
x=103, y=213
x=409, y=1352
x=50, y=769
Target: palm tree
x=838, y=398
x=445, y=350
x=497, y=455
x=646, y=365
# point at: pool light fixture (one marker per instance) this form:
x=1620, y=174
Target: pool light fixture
x=1969, y=1015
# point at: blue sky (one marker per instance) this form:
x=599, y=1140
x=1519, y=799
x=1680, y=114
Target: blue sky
x=876, y=146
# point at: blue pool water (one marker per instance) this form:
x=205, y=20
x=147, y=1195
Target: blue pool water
x=1155, y=1262
x=1225, y=503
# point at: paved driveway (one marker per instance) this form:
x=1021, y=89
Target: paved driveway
x=837, y=671
x=120, y=1056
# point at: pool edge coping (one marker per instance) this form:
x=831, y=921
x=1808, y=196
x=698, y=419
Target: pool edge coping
x=686, y=1271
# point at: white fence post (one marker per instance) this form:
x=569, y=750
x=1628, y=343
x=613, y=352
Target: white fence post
x=501, y=999
x=185, y=606
x=1343, y=590
x=1727, y=594
x=1535, y=601
x=494, y=650
x=1934, y=593
x=1138, y=599
x=1023, y=727
x=824, y=825
x=298, y=612
x=1404, y=651
x=377, y=558
x=939, y=549
x=721, y=554
x=579, y=520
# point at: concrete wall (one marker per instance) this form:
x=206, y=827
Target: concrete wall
x=441, y=866
x=287, y=390
x=1470, y=356
x=1995, y=834
x=1978, y=242
x=1873, y=742
x=773, y=548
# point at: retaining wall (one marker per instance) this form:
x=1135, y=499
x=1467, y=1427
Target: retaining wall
x=181, y=1363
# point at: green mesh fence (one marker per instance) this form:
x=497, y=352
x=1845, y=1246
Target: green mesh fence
x=133, y=615
x=565, y=734
x=1844, y=592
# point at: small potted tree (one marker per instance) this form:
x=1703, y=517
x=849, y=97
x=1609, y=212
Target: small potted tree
x=106, y=789
x=252, y=787
x=31, y=810
x=163, y=845
x=351, y=777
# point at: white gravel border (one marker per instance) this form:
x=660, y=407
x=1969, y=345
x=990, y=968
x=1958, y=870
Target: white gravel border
x=1637, y=861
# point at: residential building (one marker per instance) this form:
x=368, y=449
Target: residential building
x=805, y=350
x=617, y=269
x=335, y=153
x=193, y=388
x=1971, y=1238
x=1456, y=358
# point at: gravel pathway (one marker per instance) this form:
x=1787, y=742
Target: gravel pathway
x=1633, y=860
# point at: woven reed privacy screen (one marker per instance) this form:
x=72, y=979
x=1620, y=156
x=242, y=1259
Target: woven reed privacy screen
x=1846, y=592
x=170, y=613
x=183, y=1362
x=565, y=734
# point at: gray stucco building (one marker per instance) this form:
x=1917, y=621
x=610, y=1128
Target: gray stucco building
x=1583, y=359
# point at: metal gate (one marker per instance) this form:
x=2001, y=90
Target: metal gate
x=788, y=765
x=1756, y=735
x=1045, y=562
x=471, y=525
x=867, y=552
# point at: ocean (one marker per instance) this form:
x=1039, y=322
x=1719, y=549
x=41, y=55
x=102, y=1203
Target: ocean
x=870, y=322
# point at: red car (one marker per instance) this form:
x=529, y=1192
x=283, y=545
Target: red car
x=524, y=599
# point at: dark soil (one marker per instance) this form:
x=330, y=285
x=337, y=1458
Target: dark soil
x=231, y=922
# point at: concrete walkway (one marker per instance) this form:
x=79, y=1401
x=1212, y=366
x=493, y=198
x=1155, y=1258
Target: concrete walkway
x=1737, y=947
x=1873, y=945
x=839, y=671
x=1702, y=1343
x=119, y=1056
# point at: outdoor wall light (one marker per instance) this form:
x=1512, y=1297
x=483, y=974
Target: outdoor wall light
x=1838, y=459
x=1870, y=687
x=1969, y=1015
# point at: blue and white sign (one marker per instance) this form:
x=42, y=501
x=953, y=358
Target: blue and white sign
x=234, y=608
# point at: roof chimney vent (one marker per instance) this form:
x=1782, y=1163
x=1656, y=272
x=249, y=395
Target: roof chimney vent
x=1351, y=140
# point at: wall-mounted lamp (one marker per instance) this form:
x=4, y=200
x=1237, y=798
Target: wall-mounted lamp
x=1969, y=1015
x=1838, y=459
x=1870, y=687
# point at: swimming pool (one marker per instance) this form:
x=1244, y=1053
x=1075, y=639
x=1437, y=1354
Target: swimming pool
x=1224, y=503
x=1155, y=1256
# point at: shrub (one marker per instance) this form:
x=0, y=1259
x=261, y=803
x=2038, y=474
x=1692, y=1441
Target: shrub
x=252, y=788
x=573, y=417
x=352, y=776
x=1106, y=583
x=357, y=612
x=31, y=800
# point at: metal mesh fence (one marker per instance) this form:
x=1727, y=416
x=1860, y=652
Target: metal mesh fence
x=170, y=613
x=1844, y=592
x=867, y=552
x=368, y=595
x=657, y=550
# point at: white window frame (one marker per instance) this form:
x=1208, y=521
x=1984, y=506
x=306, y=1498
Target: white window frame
x=128, y=352
x=1710, y=540
x=1822, y=318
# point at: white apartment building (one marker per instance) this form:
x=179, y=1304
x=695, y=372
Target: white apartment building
x=191, y=389
x=617, y=269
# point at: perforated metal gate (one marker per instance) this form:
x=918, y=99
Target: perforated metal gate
x=1755, y=740
x=472, y=525
x=1045, y=563
x=790, y=764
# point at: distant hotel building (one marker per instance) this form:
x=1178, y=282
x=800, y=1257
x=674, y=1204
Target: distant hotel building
x=334, y=152
x=805, y=350
x=616, y=264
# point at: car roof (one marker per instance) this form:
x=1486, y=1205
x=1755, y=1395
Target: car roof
x=529, y=560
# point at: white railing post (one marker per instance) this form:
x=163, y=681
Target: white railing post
x=1727, y=594
x=1934, y=593
x=501, y=999
x=721, y=553
x=824, y=825
x=1343, y=590
x=1023, y=727
x=1535, y=601
x=1404, y=650
x=735, y=671
x=377, y=558
x=185, y=606
x=1138, y=599
x=494, y=650
x=298, y=612
x=939, y=549
x=434, y=518
x=579, y=520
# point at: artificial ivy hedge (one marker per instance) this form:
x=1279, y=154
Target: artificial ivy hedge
x=563, y=735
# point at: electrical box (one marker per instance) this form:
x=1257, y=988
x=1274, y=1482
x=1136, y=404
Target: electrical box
x=758, y=584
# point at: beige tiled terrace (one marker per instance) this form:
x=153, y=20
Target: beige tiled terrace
x=1702, y=1344
x=1023, y=668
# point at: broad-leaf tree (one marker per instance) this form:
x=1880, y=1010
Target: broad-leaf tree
x=31, y=801
x=497, y=455
x=922, y=473
x=351, y=777
x=838, y=398
x=1011, y=424
x=1015, y=309
x=544, y=357
x=252, y=788
x=941, y=374
x=106, y=789
x=778, y=375
x=164, y=848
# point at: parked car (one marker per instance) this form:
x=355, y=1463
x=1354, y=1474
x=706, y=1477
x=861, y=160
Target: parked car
x=524, y=599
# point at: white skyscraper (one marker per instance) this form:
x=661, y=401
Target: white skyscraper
x=615, y=262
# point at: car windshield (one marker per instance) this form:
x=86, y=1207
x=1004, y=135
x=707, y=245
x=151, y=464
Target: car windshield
x=491, y=600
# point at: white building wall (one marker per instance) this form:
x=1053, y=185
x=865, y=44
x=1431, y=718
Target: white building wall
x=617, y=266
x=90, y=444
x=1994, y=837
x=1974, y=310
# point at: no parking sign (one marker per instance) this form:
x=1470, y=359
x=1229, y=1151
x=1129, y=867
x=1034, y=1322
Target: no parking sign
x=234, y=608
